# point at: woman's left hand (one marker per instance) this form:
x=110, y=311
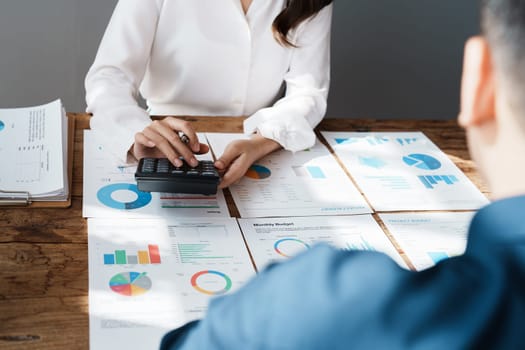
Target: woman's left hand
x=239, y=155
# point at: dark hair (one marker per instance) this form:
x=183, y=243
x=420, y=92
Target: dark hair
x=293, y=14
x=503, y=25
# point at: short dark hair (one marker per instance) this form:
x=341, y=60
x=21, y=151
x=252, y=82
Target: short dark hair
x=503, y=25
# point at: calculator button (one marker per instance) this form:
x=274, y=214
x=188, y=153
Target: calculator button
x=201, y=179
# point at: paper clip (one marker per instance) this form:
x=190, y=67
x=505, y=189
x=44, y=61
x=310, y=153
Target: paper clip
x=12, y=198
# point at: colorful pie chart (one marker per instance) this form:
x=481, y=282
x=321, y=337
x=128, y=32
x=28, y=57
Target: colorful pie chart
x=289, y=247
x=211, y=282
x=258, y=172
x=130, y=284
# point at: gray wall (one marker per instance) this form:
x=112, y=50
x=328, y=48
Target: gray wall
x=399, y=59
x=390, y=59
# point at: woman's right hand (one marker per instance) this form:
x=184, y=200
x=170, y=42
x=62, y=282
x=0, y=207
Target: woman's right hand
x=161, y=139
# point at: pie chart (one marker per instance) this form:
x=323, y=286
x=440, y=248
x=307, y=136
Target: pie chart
x=130, y=284
x=106, y=196
x=422, y=161
x=258, y=172
x=2, y=125
x=211, y=282
x=289, y=247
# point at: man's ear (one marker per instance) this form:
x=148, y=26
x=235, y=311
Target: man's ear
x=477, y=84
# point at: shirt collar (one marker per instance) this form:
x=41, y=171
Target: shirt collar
x=501, y=222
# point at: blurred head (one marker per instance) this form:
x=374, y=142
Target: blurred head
x=493, y=96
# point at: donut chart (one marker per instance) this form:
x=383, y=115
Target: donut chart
x=105, y=196
x=130, y=284
x=2, y=125
x=208, y=279
x=293, y=245
x=258, y=172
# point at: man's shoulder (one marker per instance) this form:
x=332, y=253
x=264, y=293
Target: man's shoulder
x=501, y=223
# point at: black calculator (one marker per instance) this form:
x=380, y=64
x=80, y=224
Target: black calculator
x=160, y=175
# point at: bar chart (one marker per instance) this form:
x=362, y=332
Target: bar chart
x=151, y=255
x=362, y=245
x=431, y=181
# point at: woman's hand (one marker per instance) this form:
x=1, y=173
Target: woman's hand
x=240, y=155
x=161, y=139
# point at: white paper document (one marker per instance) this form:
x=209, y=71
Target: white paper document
x=283, y=183
x=404, y=171
x=149, y=276
x=278, y=239
x=110, y=190
x=427, y=238
x=33, y=149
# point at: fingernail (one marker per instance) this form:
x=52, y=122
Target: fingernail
x=151, y=144
x=196, y=147
x=177, y=162
x=194, y=162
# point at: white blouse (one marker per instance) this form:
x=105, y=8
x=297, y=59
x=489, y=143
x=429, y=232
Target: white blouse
x=206, y=57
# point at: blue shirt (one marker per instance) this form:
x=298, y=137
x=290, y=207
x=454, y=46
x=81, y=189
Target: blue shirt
x=333, y=299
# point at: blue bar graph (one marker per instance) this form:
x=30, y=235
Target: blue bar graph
x=343, y=141
x=109, y=259
x=316, y=172
x=363, y=245
x=450, y=179
x=430, y=181
x=374, y=141
x=406, y=141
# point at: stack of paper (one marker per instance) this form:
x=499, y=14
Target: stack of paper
x=33, y=148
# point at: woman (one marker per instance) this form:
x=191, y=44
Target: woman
x=268, y=60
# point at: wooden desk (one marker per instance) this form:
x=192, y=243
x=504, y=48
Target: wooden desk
x=43, y=252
